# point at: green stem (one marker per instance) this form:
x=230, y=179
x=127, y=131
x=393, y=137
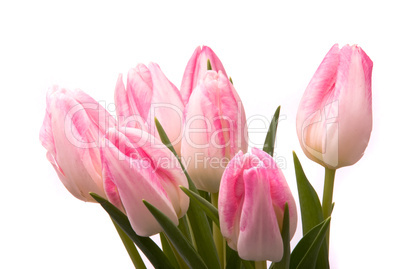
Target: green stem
x=218, y=238
x=130, y=247
x=260, y=265
x=327, y=196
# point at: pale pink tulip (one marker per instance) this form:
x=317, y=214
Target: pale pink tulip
x=252, y=199
x=149, y=95
x=71, y=133
x=196, y=68
x=215, y=130
x=334, y=119
x=134, y=168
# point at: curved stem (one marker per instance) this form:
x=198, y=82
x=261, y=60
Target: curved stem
x=218, y=238
x=327, y=196
x=130, y=247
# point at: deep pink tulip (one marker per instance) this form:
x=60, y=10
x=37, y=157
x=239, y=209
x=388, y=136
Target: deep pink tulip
x=196, y=68
x=73, y=127
x=150, y=94
x=334, y=119
x=134, y=168
x=215, y=130
x=252, y=199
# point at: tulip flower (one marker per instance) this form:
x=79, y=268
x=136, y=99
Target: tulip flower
x=150, y=94
x=136, y=167
x=196, y=68
x=215, y=130
x=252, y=199
x=334, y=119
x=71, y=133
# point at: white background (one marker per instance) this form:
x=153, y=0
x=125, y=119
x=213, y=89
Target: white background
x=270, y=50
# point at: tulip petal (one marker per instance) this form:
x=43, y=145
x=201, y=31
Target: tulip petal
x=231, y=200
x=163, y=162
x=189, y=81
x=258, y=223
x=215, y=122
x=203, y=145
x=334, y=119
x=140, y=89
x=136, y=181
x=354, y=106
x=75, y=138
x=167, y=106
x=252, y=201
x=99, y=116
x=196, y=68
x=280, y=191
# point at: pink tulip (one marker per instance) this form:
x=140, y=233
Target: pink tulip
x=135, y=169
x=150, y=94
x=196, y=68
x=252, y=199
x=215, y=130
x=71, y=132
x=334, y=119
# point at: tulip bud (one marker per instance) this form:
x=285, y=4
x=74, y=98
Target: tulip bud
x=334, y=119
x=196, y=68
x=215, y=130
x=252, y=199
x=71, y=132
x=150, y=95
x=136, y=167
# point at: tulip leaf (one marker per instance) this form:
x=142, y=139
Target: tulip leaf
x=234, y=261
x=147, y=246
x=269, y=143
x=311, y=210
x=248, y=264
x=200, y=227
x=178, y=240
x=168, y=250
x=206, y=196
x=183, y=227
x=202, y=235
x=310, y=206
x=209, y=66
x=130, y=247
x=305, y=254
x=206, y=206
x=231, y=80
x=284, y=263
x=232, y=258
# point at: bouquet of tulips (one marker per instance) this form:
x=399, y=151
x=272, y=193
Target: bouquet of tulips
x=177, y=163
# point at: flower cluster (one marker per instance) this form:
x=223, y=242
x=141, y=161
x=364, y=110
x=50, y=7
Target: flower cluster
x=193, y=161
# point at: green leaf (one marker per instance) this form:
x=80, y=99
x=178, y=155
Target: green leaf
x=200, y=227
x=147, y=246
x=311, y=210
x=271, y=135
x=305, y=254
x=284, y=263
x=310, y=206
x=209, y=66
x=168, y=250
x=232, y=258
x=183, y=227
x=206, y=206
x=248, y=264
x=178, y=240
x=130, y=247
x=207, y=197
x=202, y=235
